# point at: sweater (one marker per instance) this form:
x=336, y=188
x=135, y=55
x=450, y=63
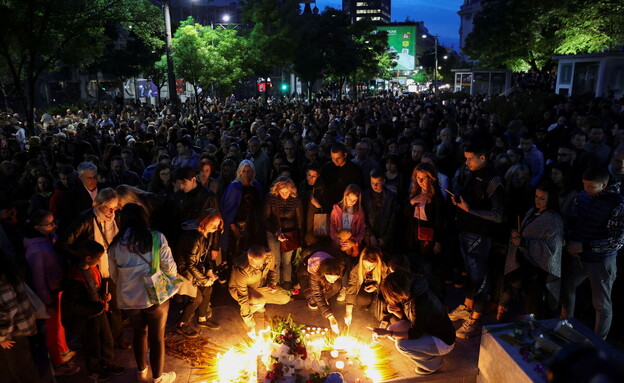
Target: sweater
x=541, y=243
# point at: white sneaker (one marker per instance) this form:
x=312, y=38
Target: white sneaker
x=142, y=375
x=166, y=377
x=460, y=313
x=470, y=328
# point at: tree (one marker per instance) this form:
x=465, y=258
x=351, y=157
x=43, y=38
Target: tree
x=308, y=62
x=515, y=34
x=590, y=26
x=39, y=35
x=342, y=53
x=377, y=60
x=206, y=57
x=272, y=36
x=524, y=34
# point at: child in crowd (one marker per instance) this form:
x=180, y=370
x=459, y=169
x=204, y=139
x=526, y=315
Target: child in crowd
x=84, y=303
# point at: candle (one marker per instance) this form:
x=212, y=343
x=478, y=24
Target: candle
x=334, y=353
x=340, y=364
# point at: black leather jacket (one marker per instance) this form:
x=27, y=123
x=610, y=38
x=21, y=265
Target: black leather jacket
x=193, y=254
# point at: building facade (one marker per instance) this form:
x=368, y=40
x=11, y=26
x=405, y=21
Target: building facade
x=467, y=13
x=376, y=10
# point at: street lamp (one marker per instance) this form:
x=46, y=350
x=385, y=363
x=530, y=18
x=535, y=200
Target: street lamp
x=171, y=81
x=435, y=68
x=226, y=18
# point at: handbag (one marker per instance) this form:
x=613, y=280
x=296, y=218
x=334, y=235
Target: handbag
x=321, y=223
x=425, y=234
x=159, y=285
x=293, y=241
x=321, y=228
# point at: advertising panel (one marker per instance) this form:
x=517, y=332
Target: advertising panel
x=402, y=41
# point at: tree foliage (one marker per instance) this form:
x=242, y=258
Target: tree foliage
x=524, y=34
x=38, y=35
x=207, y=57
x=272, y=31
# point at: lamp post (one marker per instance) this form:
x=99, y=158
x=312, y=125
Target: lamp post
x=171, y=81
x=435, y=68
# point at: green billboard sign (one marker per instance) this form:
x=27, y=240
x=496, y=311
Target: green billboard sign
x=402, y=41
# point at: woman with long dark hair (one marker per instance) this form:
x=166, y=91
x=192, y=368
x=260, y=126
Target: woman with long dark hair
x=427, y=209
x=533, y=263
x=130, y=259
x=424, y=332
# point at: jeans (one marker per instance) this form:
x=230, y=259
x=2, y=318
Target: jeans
x=97, y=343
x=149, y=328
x=422, y=351
x=201, y=301
x=475, y=250
x=283, y=261
x=601, y=277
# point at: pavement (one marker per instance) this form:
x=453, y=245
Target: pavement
x=460, y=366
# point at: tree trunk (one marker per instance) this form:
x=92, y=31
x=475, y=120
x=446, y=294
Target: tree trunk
x=196, y=103
x=30, y=109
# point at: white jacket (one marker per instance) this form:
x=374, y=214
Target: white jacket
x=127, y=270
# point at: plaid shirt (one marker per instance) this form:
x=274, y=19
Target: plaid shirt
x=16, y=312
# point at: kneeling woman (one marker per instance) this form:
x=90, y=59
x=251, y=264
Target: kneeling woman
x=364, y=282
x=424, y=332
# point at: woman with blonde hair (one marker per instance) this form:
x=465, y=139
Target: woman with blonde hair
x=240, y=208
x=364, y=282
x=283, y=215
x=348, y=215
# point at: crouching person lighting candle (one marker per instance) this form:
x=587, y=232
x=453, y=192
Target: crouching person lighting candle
x=424, y=333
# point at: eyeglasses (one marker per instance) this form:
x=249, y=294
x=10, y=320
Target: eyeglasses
x=51, y=224
x=563, y=154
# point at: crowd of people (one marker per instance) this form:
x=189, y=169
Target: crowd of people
x=382, y=203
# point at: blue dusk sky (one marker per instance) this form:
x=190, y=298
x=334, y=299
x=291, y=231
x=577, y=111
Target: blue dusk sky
x=440, y=16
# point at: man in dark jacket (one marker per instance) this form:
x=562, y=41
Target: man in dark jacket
x=595, y=232
x=480, y=205
x=81, y=196
x=190, y=200
x=253, y=284
x=380, y=205
x=338, y=174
